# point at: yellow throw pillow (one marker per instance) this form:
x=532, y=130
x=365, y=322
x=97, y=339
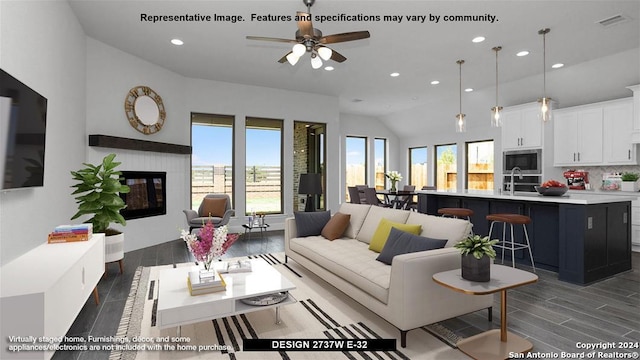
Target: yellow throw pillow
x=384, y=228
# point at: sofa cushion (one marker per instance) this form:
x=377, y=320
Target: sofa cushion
x=349, y=259
x=437, y=227
x=311, y=223
x=214, y=207
x=401, y=242
x=384, y=229
x=358, y=213
x=336, y=226
x=374, y=216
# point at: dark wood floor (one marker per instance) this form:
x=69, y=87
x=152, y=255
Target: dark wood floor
x=553, y=315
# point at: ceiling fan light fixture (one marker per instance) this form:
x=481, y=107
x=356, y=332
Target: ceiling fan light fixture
x=299, y=49
x=325, y=53
x=292, y=58
x=316, y=62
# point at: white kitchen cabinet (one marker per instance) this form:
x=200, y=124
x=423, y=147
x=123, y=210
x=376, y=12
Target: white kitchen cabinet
x=578, y=137
x=43, y=291
x=618, y=130
x=521, y=128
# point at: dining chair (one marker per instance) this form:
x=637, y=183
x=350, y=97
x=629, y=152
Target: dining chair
x=405, y=201
x=354, y=195
x=372, y=198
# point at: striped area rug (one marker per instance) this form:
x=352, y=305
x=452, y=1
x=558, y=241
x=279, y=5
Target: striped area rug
x=321, y=312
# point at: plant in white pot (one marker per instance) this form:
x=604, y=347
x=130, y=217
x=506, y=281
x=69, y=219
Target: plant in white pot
x=630, y=181
x=97, y=191
x=477, y=252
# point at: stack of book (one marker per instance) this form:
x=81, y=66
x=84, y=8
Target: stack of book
x=71, y=233
x=205, y=282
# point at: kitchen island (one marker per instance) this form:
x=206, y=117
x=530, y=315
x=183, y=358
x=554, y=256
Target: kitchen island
x=582, y=237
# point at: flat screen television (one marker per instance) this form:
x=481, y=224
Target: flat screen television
x=23, y=123
x=147, y=196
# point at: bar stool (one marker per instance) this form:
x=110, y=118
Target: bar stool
x=457, y=213
x=511, y=219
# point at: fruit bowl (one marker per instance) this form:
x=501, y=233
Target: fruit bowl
x=551, y=191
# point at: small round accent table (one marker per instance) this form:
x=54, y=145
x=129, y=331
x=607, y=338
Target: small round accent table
x=497, y=343
x=250, y=226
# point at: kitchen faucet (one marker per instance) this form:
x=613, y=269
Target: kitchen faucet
x=513, y=171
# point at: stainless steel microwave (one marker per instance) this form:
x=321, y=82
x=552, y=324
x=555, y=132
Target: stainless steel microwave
x=529, y=161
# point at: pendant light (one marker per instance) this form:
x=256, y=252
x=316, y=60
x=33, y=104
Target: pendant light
x=461, y=125
x=496, y=110
x=545, y=102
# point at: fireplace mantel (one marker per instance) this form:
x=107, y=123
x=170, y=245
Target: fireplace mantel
x=135, y=144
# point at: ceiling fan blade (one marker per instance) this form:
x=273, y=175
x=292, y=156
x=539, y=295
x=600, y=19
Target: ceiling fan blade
x=305, y=26
x=284, y=58
x=337, y=57
x=262, y=38
x=350, y=36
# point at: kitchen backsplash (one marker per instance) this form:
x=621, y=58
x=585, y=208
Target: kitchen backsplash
x=596, y=172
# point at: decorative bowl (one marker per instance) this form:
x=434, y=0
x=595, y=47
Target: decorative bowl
x=551, y=191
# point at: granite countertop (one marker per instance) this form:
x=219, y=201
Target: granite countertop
x=571, y=197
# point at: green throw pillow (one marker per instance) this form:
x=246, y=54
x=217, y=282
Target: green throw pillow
x=384, y=228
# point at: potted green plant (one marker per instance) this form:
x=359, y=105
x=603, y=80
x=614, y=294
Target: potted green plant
x=97, y=193
x=630, y=181
x=477, y=252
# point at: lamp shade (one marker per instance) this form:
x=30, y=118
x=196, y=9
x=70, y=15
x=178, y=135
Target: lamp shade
x=310, y=184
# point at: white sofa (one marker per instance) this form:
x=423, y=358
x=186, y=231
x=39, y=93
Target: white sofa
x=403, y=293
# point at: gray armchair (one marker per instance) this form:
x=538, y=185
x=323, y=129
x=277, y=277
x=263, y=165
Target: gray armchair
x=221, y=216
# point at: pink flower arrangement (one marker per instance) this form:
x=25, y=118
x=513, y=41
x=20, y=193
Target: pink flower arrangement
x=209, y=243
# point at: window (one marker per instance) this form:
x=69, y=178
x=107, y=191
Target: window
x=446, y=166
x=380, y=149
x=212, y=156
x=480, y=165
x=418, y=167
x=356, y=162
x=264, y=166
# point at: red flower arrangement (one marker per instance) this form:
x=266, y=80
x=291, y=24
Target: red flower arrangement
x=209, y=243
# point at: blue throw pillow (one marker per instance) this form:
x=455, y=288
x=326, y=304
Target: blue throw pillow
x=311, y=223
x=400, y=242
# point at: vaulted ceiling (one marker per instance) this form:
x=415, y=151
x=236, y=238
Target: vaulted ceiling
x=419, y=51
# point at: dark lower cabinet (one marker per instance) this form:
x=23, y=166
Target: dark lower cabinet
x=595, y=241
x=583, y=243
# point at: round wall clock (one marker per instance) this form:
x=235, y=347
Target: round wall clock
x=144, y=110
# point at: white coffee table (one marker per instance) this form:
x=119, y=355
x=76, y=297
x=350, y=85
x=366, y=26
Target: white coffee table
x=176, y=307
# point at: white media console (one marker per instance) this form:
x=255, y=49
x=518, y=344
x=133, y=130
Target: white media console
x=43, y=291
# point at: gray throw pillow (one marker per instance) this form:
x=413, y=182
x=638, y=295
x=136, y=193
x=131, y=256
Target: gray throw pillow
x=401, y=242
x=311, y=223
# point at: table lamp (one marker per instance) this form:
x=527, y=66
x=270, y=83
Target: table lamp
x=311, y=185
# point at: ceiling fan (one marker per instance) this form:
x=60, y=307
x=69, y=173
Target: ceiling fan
x=309, y=39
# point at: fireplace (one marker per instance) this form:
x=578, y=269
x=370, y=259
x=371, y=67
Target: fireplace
x=147, y=196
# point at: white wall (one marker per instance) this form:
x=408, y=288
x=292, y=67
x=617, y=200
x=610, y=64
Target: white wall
x=43, y=45
x=371, y=128
x=433, y=123
x=111, y=73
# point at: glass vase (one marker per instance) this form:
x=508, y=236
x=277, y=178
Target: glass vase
x=393, y=186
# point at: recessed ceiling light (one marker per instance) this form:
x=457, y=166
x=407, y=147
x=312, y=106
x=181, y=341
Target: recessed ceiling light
x=523, y=53
x=557, y=66
x=414, y=98
x=329, y=68
x=468, y=89
x=394, y=74
x=435, y=82
x=177, y=42
x=478, y=39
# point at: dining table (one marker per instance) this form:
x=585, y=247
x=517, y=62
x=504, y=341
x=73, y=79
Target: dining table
x=398, y=199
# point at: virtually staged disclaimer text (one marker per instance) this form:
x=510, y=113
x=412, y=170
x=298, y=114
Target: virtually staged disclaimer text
x=430, y=18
